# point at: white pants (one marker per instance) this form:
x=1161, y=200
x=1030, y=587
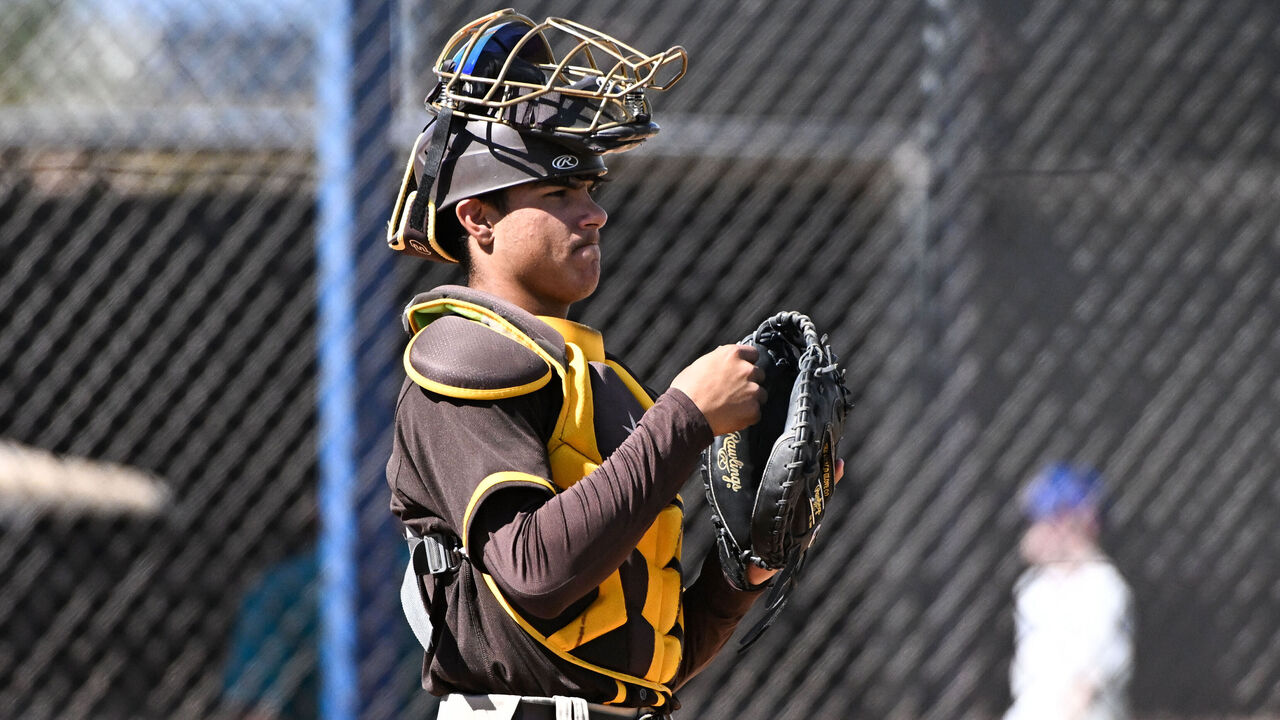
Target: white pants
x=456, y=706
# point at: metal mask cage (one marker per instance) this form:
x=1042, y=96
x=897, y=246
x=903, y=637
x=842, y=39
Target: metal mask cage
x=602, y=77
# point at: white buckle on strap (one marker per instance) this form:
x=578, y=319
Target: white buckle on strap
x=571, y=708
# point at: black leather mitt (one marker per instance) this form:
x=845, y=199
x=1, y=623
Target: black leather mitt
x=768, y=485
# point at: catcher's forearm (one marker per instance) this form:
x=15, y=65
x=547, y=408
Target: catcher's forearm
x=548, y=557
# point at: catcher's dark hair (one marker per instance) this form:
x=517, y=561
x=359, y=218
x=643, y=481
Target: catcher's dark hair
x=453, y=239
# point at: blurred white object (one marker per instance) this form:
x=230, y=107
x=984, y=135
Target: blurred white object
x=34, y=480
x=1074, y=653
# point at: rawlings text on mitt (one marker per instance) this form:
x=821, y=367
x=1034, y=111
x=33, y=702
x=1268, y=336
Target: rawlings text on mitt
x=768, y=485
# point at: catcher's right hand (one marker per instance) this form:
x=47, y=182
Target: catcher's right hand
x=725, y=385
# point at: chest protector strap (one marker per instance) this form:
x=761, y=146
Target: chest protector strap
x=430, y=556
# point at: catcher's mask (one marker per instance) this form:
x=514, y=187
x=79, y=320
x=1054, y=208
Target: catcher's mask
x=508, y=112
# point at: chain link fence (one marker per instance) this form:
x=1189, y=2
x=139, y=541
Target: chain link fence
x=1035, y=231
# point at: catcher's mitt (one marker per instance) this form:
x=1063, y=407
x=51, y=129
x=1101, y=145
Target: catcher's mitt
x=768, y=485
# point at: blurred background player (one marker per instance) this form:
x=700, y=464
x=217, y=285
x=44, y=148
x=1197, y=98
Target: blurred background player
x=1072, y=608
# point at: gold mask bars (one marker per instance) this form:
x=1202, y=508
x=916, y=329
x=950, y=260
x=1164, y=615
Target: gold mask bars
x=593, y=67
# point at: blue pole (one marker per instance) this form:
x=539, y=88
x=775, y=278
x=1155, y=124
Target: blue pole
x=335, y=295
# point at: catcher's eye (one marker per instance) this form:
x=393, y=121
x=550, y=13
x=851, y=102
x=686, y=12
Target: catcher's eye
x=597, y=183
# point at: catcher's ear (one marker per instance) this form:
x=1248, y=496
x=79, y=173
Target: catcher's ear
x=477, y=219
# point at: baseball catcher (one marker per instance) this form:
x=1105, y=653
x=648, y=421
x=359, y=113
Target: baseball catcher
x=768, y=485
x=537, y=479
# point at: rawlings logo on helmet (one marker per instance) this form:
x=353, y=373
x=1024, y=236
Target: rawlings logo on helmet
x=565, y=162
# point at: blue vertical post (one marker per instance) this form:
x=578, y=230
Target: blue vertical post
x=335, y=295
x=388, y=659
x=368, y=658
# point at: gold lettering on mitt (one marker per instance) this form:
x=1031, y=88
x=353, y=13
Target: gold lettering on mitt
x=828, y=467
x=728, y=462
x=822, y=490
x=816, y=505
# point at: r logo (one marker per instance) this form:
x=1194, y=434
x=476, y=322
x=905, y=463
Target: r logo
x=565, y=162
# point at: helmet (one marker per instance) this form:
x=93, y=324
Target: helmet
x=508, y=112
x=485, y=156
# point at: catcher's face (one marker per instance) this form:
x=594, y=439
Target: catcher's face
x=545, y=248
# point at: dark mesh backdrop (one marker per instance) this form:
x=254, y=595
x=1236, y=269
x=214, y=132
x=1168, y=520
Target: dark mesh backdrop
x=1035, y=231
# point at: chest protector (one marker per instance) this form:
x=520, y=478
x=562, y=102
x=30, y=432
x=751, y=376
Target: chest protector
x=454, y=352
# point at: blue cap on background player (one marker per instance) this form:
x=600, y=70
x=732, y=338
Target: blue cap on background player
x=1061, y=488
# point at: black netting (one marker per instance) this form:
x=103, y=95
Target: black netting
x=1034, y=230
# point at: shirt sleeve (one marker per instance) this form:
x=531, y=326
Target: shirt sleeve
x=548, y=553
x=1111, y=634
x=712, y=610
x=482, y=467
x=448, y=456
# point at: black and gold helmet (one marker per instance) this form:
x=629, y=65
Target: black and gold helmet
x=507, y=111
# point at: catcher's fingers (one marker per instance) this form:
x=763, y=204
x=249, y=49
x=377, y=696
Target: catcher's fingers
x=757, y=575
x=751, y=354
x=725, y=385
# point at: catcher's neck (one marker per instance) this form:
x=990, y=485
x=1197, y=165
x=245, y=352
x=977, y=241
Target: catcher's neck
x=513, y=292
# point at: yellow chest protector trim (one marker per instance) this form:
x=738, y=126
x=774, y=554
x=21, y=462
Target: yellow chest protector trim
x=573, y=454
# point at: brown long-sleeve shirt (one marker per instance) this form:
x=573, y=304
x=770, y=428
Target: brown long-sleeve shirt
x=547, y=551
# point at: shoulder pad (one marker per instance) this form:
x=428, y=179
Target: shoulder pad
x=455, y=296
x=464, y=359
